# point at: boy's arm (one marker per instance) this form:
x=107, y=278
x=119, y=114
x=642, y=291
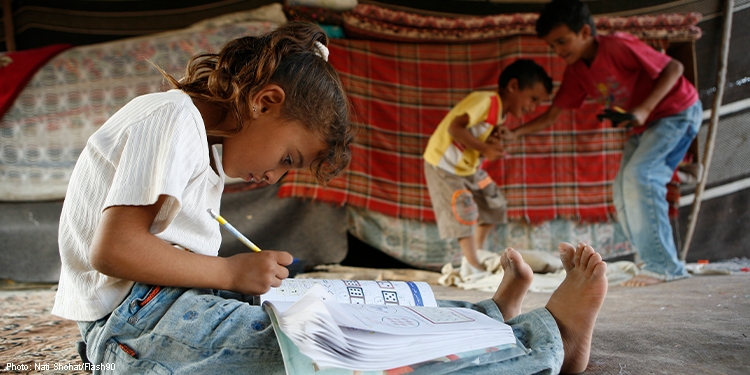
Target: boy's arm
x=458, y=130
x=540, y=123
x=666, y=80
x=124, y=248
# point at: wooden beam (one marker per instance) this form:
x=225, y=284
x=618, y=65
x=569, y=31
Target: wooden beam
x=10, y=39
x=721, y=76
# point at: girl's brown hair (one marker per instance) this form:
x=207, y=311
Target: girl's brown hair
x=289, y=58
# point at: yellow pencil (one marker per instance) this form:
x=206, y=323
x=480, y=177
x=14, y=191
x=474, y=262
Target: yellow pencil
x=234, y=231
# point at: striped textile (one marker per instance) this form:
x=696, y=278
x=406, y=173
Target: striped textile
x=401, y=91
x=563, y=172
x=374, y=22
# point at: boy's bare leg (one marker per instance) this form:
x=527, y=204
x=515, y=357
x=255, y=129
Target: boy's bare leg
x=483, y=231
x=576, y=303
x=517, y=278
x=641, y=280
x=469, y=250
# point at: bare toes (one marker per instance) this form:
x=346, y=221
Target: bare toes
x=567, y=255
x=598, y=267
x=586, y=253
x=505, y=259
x=513, y=256
x=641, y=280
x=594, y=259
x=579, y=254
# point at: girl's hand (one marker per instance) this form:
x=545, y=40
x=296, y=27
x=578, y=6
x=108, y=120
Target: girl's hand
x=257, y=273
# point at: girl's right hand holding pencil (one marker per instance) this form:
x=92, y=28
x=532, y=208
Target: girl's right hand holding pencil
x=256, y=273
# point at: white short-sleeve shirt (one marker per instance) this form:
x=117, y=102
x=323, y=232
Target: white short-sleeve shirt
x=155, y=145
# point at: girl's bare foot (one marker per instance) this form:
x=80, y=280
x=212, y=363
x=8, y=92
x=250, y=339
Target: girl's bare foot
x=517, y=278
x=576, y=303
x=641, y=280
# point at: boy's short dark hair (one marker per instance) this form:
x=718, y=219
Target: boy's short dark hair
x=571, y=13
x=527, y=72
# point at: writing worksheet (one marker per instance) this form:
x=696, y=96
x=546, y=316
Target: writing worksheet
x=410, y=320
x=383, y=336
x=357, y=292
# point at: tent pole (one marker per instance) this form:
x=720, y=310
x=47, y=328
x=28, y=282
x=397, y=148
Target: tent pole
x=10, y=40
x=721, y=77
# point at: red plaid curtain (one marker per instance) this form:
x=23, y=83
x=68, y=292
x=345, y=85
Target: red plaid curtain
x=401, y=91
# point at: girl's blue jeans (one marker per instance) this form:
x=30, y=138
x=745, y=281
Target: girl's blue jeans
x=640, y=190
x=198, y=331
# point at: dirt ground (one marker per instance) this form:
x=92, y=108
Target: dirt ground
x=696, y=326
x=32, y=338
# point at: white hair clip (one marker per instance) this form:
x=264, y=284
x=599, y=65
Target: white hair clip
x=322, y=50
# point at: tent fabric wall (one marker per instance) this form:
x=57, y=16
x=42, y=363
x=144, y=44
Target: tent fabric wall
x=401, y=88
x=723, y=224
x=136, y=17
x=70, y=97
x=38, y=23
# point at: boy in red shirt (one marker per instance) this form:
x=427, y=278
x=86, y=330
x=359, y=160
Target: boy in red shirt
x=621, y=72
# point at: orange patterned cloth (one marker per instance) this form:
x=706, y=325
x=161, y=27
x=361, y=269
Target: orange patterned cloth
x=379, y=23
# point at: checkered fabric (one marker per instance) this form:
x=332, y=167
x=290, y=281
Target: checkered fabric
x=401, y=91
x=563, y=172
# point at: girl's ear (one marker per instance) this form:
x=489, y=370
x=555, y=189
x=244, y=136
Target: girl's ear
x=268, y=99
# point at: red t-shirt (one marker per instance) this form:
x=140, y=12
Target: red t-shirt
x=622, y=74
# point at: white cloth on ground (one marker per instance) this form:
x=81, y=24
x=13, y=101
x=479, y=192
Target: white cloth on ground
x=547, y=267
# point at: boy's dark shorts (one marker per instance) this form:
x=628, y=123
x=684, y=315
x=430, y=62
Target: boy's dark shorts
x=462, y=202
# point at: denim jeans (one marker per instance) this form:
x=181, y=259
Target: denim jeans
x=536, y=330
x=640, y=189
x=183, y=331
x=199, y=331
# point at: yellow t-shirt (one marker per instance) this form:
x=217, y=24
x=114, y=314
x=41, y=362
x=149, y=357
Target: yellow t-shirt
x=443, y=152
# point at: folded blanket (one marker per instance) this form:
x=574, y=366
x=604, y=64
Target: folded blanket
x=380, y=23
x=17, y=68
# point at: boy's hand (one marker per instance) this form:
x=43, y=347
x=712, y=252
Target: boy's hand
x=639, y=116
x=506, y=134
x=493, y=149
x=617, y=116
x=257, y=273
x=495, y=136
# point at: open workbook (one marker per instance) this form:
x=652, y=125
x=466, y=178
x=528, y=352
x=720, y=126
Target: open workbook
x=374, y=327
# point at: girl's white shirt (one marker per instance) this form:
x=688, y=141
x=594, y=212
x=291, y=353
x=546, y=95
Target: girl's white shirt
x=155, y=145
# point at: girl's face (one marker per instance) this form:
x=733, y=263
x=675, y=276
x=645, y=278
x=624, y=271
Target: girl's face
x=268, y=147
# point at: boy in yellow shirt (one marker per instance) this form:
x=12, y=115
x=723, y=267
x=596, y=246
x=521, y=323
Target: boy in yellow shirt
x=467, y=203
